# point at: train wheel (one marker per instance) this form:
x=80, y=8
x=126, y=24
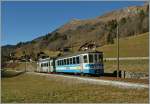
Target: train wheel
x=82, y=74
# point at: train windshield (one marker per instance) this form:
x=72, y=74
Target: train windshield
x=100, y=58
x=85, y=58
x=91, y=58
x=95, y=58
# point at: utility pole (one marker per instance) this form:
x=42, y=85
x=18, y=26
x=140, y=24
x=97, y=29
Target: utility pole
x=117, y=49
x=71, y=43
x=131, y=12
x=25, y=61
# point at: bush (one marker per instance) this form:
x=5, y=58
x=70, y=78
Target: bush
x=110, y=39
x=123, y=21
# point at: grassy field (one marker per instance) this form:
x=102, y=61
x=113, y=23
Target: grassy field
x=134, y=46
x=128, y=65
x=21, y=66
x=27, y=88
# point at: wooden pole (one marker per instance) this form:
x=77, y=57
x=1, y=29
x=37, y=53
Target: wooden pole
x=117, y=49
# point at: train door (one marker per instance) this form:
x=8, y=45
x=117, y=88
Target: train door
x=81, y=63
x=52, y=66
x=84, y=61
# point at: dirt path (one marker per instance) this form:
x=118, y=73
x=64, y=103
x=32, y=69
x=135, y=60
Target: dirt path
x=128, y=58
x=96, y=81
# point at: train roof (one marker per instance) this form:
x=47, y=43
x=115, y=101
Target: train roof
x=45, y=59
x=77, y=53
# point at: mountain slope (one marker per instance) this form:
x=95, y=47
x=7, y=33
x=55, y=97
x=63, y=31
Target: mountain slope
x=100, y=30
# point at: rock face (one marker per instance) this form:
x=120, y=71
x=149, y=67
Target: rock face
x=101, y=30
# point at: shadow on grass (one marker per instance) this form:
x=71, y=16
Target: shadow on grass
x=10, y=73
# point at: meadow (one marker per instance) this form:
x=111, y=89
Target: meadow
x=133, y=46
x=127, y=65
x=30, y=88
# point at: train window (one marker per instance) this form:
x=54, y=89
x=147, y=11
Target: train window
x=74, y=60
x=100, y=58
x=95, y=56
x=41, y=65
x=51, y=64
x=77, y=59
x=90, y=58
x=85, y=58
x=70, y=60
x=57, y=62
x=62, y=62
x=67, y=61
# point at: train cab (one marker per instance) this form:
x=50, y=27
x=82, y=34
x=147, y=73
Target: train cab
x=46, y=65
x=93, y=63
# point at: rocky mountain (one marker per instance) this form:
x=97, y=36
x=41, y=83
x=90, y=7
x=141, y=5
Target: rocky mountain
x=76, y=33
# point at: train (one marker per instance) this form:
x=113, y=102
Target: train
x=90, y=63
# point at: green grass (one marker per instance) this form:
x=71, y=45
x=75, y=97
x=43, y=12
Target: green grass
x=134, y=46
x=128, y=65
x=27, y=88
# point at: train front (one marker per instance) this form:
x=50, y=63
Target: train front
x=94, y=64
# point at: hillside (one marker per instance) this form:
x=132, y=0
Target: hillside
x=134, y=46
x=74, y=34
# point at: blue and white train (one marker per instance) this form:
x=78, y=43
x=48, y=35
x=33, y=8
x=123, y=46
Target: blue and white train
x=78, y=63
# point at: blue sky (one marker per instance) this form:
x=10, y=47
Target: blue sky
x=25, y=21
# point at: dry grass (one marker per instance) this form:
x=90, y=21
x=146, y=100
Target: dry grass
x=21, y=66
x=128, y=65
x=51, y=53
x=33, y=88
x=134, y=46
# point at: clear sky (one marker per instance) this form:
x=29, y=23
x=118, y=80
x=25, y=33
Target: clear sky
x=25, y=21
